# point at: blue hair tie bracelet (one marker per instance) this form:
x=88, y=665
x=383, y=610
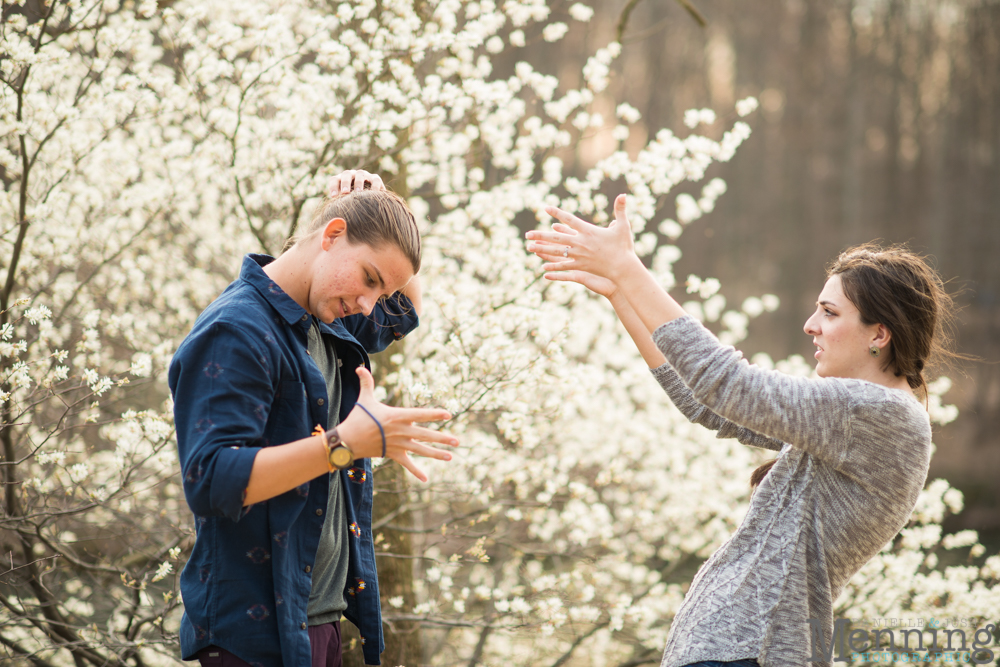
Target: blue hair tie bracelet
x=380, y=429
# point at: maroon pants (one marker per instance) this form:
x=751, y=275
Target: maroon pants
x=325, y=641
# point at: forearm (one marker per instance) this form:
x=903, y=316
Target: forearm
x=651, y=304
x=637, y=330
x=284, y=467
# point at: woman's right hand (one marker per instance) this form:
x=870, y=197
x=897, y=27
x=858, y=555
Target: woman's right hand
x=402, y=437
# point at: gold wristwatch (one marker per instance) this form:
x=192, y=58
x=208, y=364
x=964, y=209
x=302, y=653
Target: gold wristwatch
x=339, y=455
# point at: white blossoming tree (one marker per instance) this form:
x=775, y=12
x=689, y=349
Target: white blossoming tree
x=146, y=148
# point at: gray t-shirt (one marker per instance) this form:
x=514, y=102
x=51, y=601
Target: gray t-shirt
x=326, y=598
x=853, y=459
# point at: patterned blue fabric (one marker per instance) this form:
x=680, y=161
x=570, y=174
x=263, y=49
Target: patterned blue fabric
x=242, y=380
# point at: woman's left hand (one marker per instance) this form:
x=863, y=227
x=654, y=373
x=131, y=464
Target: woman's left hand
x=580, y=247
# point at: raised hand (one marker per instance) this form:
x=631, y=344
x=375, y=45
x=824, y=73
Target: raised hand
x=603, y=259
x=553, y=252
x=360, y=433
x=353, y=179
x=579, y=247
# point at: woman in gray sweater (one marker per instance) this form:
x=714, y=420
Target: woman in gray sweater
x=853, y=445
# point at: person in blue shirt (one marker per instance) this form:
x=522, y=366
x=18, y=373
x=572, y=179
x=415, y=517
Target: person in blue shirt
x=276, y=427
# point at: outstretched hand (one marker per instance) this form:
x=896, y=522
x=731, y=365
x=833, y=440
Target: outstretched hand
x=578, y=251
x=553, y=253
x=361, y=434
x=603, y=260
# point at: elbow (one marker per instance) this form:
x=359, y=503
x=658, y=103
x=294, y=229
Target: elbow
x=203, y=505
x=200, y=503
x=216, y=480
x=206, y=498
x=707, y=394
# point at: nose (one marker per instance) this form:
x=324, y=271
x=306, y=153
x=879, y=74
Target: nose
x=367, y=304
x=810, y=326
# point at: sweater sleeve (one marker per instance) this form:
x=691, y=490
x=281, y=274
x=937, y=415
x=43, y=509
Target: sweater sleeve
x=814, y=415
x=699, y=414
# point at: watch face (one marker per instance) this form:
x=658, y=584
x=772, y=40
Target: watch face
x=341, y=457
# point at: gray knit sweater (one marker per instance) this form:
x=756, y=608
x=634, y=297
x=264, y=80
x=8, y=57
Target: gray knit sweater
x=842, y=487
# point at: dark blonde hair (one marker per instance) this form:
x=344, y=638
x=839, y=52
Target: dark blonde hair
x=374, y=217
x=897, y=288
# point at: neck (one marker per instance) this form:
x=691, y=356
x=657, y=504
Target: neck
x=291, y=272
x=888, y=379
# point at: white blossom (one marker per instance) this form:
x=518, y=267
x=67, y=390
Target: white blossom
x=746, y=106
x=38, y=313
x=695, y=117
x=142, y=365
x=165, y=568
x=553, y=32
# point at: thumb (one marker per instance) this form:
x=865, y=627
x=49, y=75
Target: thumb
x=367, y=382
x=620, y=216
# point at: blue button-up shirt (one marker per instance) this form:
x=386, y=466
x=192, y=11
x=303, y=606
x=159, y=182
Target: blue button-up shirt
x=240, y=381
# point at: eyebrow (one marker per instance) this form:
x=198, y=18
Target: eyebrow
x=826, y=303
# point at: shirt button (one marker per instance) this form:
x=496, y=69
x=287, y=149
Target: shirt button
x=305, y=317
x=319, y=512
x=309, y=353
x=308, y=569
x=302, y=626
x=320, y=401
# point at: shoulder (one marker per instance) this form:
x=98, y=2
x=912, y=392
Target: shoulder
x=239, y=319
x=891, y=412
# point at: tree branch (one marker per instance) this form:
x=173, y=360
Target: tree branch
x=632, y=4
x=14, y=646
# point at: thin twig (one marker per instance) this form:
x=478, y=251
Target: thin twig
x=13, y=568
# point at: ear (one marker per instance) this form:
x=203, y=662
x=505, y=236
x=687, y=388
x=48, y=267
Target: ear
x=882, y=336
x=334, y=230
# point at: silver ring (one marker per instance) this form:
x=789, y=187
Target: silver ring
x=565, y=252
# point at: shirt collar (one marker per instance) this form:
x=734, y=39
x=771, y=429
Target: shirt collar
x=252, y=271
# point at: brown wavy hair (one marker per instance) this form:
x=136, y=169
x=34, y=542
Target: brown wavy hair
x=897, y=288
